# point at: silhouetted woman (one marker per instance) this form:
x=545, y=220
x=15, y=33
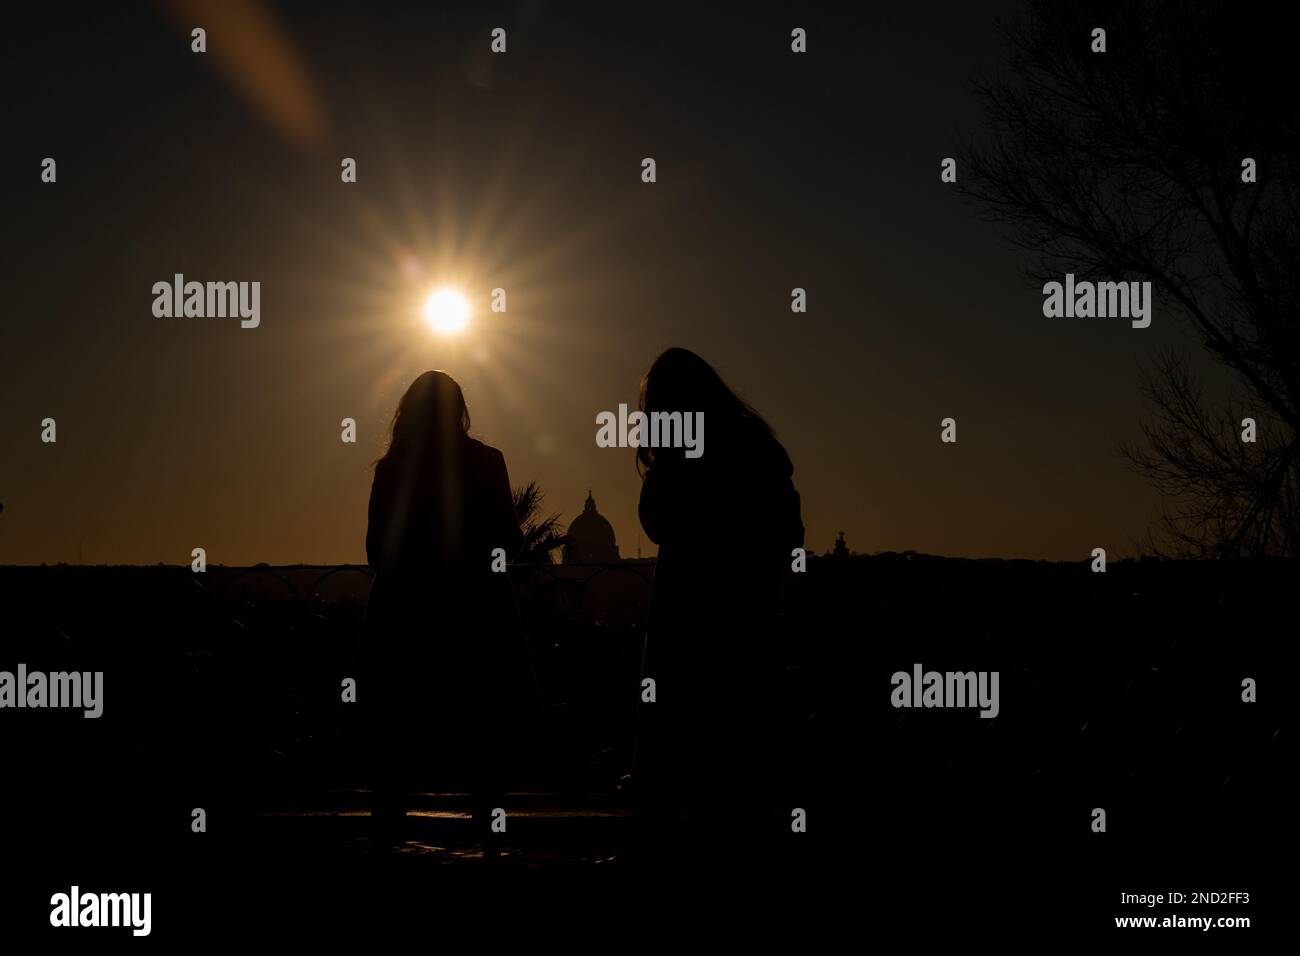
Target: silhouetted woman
x=726, y=523
x=443, y=662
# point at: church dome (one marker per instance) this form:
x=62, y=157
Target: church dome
x=590, y=537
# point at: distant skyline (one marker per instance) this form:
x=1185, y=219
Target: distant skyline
x=522, y=171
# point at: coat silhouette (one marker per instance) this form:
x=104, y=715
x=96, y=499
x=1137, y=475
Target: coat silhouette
x=726, y=524
x=445, y=674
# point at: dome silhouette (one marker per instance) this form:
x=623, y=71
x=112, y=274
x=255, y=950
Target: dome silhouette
x=590, y=537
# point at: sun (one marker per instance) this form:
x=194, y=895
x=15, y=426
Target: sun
x=446, y=311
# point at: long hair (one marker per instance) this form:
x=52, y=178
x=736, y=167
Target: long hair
x=430, y=414
x=680, y=381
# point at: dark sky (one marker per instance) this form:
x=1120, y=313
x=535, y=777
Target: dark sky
x=522, y=170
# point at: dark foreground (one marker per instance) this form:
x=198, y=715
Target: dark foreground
x=1120, y=691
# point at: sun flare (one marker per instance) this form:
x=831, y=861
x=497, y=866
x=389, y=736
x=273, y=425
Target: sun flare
x=446, y=311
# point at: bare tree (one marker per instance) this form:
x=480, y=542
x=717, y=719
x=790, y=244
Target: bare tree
x=1137, y=163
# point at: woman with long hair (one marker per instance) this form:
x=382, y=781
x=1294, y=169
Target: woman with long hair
x=726, y=523
x=443, y=661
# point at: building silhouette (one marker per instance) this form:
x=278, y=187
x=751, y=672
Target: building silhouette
x=841, y=547
x=590, y=537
